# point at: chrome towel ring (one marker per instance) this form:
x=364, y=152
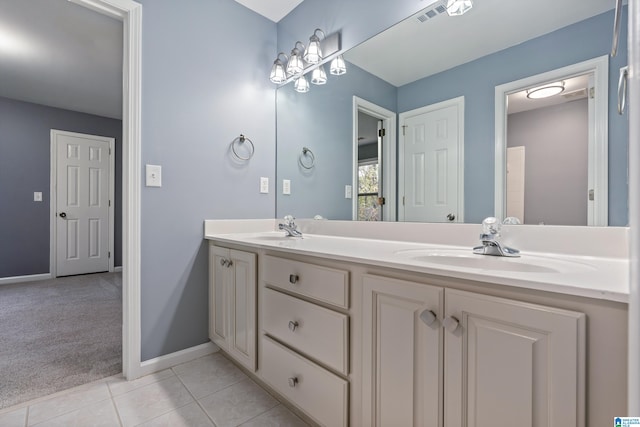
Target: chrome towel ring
x=241, y=140
x=307, y=159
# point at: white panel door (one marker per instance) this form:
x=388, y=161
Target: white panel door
x=82, y=202
x=242, y=301
x=401, y=353
x=431, y=166
x=515, y=182
x=510, y=363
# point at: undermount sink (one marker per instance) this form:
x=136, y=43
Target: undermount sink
x=276, y=237
x=465, y=258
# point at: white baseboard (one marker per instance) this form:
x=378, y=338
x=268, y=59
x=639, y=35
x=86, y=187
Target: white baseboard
x=117, y=269
x=169, y=360
x=29, y=278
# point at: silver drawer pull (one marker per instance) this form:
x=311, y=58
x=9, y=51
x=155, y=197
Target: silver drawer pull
x=293, y=325
x=293, y=381
x=293, y=279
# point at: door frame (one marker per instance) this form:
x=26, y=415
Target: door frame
x=598, y=169
x=53, y=197
x=388, y=161
x=453, y=102
x=130, y=13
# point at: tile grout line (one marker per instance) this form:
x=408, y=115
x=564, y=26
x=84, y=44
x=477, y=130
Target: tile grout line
x=194, y=398
x=115, y=407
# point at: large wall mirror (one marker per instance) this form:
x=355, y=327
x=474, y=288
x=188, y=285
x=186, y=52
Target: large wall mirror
x=410, y=132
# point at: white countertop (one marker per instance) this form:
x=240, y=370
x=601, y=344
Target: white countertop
x=601, y=277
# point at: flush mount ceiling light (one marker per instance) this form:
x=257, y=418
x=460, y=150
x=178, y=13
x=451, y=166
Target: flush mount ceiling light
x=313, y=54
x=278, y=74
x=458, y=7
x=309, y=61
x=338, y=67
x=546, y=90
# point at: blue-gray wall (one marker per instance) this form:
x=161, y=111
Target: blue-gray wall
x=321, y=120
x=25, y=167
x=476, y=81
x=205, y=68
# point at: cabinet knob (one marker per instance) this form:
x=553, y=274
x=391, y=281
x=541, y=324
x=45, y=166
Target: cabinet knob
x=223, y=262
x=451, y=324
x=293, y=381
x=293, y=325
x=229, y=263
x=428, y=317
x=293, y=279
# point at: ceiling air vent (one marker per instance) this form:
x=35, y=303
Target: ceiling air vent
x=432, y=11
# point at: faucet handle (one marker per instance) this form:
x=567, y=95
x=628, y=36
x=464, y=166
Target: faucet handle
x=491, y=225
x=289, y=220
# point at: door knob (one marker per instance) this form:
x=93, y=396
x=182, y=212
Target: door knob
x=428, y=317
x=62, y=215
x=451, y=217
x=451, y=324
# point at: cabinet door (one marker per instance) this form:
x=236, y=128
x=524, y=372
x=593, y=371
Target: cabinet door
x=402, y=355
x=242, y=308
x=219, y=277
x=512, y=363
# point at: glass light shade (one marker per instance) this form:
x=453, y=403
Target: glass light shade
x=319, y=76
x=546, y=90
x=338, y=67
x=295, y=64
x=278, y=75
x=313, y=54
x=301, y=84
x=458, y=7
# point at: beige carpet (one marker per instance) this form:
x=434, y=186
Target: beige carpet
x=57, y=334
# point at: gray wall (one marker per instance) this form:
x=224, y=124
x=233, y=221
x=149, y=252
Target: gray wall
x=476, y=80
x=205, y=67
x=320, y=191
x=25, y=147
x=556, y=158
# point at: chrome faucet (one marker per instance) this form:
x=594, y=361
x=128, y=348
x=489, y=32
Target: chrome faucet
x=290, y=227
x=490, y=243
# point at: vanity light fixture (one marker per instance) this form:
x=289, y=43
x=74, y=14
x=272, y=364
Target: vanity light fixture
x=305, y=63
x=313, y=54
x=319, y=76
x=295, y=64
x=338, y=66
x=546, y=90
x=458, y=7
x=301, y=84
x=278, y=74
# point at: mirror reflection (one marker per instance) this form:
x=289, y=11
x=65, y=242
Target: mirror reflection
x=434, y=80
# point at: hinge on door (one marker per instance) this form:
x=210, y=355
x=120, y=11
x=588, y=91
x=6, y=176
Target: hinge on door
x=592, y=92
x=404, y=128
x=109, y=202
x=109, y=255
x=109, y=151
x=591, y=195
x=382, y=132
x=402, y=200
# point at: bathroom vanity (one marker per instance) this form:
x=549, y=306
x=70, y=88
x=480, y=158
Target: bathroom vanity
x=400, y=324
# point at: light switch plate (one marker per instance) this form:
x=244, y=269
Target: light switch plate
x=154, y=175
x=286, y=186
x=37, y=196
x=264, y=185
x=348, y=193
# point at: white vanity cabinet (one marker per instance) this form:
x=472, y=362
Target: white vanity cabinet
x=305, y=336
x=486, y=360
x=232, y=303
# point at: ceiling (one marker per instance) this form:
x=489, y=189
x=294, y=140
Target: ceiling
x=56, y=53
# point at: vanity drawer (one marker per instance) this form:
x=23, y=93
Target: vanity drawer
x=316, y=331
x=322, y=283
x=320, y=394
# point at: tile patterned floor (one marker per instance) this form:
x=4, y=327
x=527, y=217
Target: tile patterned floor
x=207, y=392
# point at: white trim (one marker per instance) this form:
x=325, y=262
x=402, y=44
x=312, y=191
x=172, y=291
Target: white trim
x=453, y=102
x=117, y=269
x=20, y=279
x=183, y=356
x=598, y=136
x=388, y=164
x=53, y=196
x=130, y=13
